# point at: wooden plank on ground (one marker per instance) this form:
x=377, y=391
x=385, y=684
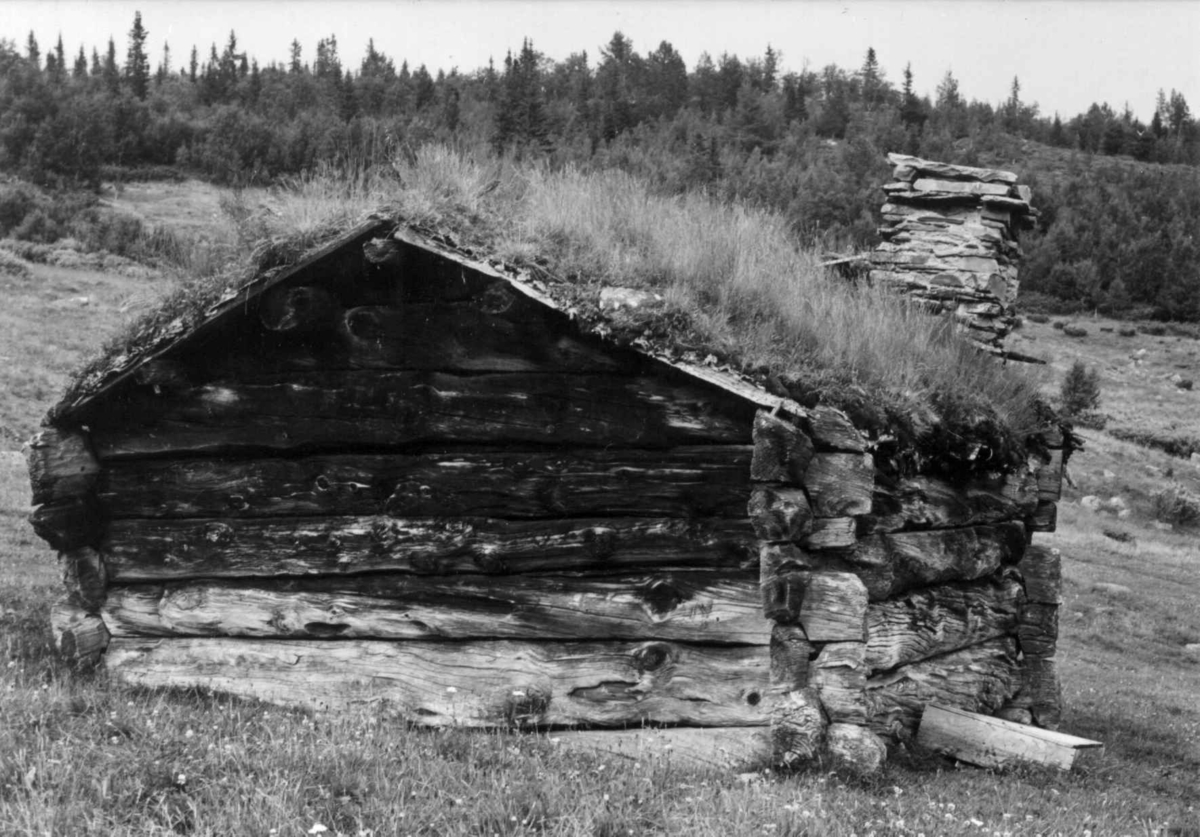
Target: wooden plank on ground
x=690, y=481
x=472, y=684
x=992, y=742
x=314, y=410
x=736, y=749
x=712, y=607
x=167, y=550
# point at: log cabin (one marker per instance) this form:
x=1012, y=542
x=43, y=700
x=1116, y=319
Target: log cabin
x=400, y=475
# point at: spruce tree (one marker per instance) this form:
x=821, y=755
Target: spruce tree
x=32, y=52
x=81, y=65
x=137, y=64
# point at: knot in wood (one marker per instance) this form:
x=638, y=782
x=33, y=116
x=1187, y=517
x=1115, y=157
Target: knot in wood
x=219, y=534
x=652, y=656
x=497, y=299
x=662, y=596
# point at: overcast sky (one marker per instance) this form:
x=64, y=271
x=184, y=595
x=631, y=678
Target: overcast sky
x=1067, y=53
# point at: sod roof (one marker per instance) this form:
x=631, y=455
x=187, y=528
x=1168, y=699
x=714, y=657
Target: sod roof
x=762, y=333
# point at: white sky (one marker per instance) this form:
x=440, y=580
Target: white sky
x=1067, y=53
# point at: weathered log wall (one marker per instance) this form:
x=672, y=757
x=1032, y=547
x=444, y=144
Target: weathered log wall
x=401, y=482
x=891, y=593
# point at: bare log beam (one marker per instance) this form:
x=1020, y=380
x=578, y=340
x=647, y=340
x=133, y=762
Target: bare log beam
x=166, y=550
x=936, y=620
x=716, y=608
x=690, y=481
x=891, y=564
x=469, y=684
x=61, y=465
x=392, y=409
x=980, y=679
x=297, y=309
x=79, y=637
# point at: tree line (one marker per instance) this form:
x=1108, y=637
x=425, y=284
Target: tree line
x=809, y=144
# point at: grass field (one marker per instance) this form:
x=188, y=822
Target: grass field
x=79, y=756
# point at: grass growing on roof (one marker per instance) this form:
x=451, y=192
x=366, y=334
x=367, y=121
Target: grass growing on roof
x=735, y=282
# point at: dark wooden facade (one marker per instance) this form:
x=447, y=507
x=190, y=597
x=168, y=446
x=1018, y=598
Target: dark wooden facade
x=394, y=476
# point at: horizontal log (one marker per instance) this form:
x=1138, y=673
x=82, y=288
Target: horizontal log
x=797, y=727
x=79, y=636
x=830, y=606
x=515, y=335
x=85, y=575
x=991, y=742
x=790, y=656
x=61, y=465
x=694, y=481
x=696, y=607
x=839, y=674
x=314, y=410
x=166, y=550
x=782, y=451
x=71, y=523
x=297, y=309
x=1037, y=630
x=840, y=484
x=1041, y=568
x=855, y=749
x=930, y=503
x=779, y=513
x=1049, y=476
x=834, y=430
x=979, y=679
x=936, y=620
x=891, y=564
x=831, y=533
x=1044, y=518
x=1041, y=691
x=725, y=749
x=469, y=684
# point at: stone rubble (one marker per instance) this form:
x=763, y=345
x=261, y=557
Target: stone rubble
x=950, y=240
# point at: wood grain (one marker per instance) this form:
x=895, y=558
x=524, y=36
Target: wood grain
x=471, y=684
x=936, y=620
x=693, y=481
x=391, y=409
x=980, y=679
x=166, y=550
x=697, y=607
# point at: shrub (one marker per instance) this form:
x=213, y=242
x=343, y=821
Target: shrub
x=1080, y=390
x=1127, y=332
x=10, y=265
x=1059, y=324
x=1154, y=330
x=16, y=201
x=1176, y=505
x=1075, y=331
x=1037, y=318
x=1186, y=383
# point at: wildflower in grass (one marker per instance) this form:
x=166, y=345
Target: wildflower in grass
x=451, y=690
x=317, y=828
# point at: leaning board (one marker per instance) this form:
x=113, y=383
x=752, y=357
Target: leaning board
x=994, y=742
